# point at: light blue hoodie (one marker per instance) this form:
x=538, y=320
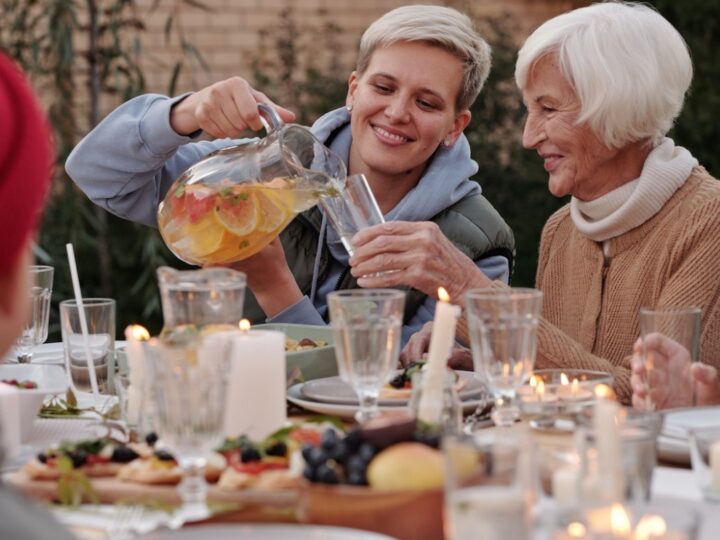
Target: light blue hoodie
x=128, y=162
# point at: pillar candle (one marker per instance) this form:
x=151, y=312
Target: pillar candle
x=565, y=485
x=441, y=342
x=257, y=384
x=10, y=420
x=134, y=334
x=607, y=440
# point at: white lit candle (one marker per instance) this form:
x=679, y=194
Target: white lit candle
x=134, y=335
x=715, y=465
x=257, y=383
x=441, y=342
x=607, y=440
x=10, y=420
x=565, y=485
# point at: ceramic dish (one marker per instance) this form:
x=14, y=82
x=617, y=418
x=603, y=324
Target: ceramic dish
x=312, y=363
x=673, y=442
x=265, y=531
x=335, y=390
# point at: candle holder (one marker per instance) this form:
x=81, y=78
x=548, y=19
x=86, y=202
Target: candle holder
x=553, y=397
x=628, y=522
x=705, y=458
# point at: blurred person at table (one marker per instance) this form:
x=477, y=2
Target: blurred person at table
x=675, y=381
x=26, y=159
x=419, y=69
x=602, y=86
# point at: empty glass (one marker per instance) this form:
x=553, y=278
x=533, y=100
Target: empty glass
x=682, y=325
x=366, y=325
x=354, y=209
x=100, y=344
x=189, y=390
x=503, y=333
x=35, y=330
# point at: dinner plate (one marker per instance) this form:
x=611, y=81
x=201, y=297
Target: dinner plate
x=335, y=390
x=673, y=442
x=52, y=353
x=265, y=531
x=295, y=396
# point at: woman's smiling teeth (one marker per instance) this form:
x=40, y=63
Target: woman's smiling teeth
x=390, y=137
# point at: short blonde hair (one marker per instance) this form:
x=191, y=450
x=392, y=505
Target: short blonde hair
x=439, y=26
x=629, y=67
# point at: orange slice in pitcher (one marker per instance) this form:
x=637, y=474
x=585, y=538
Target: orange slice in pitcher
x=236, y=211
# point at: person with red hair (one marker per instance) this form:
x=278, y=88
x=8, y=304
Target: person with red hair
x=26, y=160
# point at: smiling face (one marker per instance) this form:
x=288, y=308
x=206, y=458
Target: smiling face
x=577, y=161
x=403, y=108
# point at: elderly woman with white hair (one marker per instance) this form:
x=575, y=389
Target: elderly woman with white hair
x=603, y=85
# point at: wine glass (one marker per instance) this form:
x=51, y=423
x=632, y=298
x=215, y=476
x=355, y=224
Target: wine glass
x=189, y=389
x=366, y=325
x=503, y=333
x=35, y=330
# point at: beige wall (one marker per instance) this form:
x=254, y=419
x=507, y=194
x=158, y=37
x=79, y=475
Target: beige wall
x=231, y=35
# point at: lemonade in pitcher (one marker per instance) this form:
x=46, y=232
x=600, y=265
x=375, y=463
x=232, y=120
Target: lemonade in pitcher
x=236, y=200
x=219, y=224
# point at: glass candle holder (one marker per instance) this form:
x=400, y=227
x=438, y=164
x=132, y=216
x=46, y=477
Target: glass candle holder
x=451, y=409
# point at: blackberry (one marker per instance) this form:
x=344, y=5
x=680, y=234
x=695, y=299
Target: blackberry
x=279, y=448
x=249, y=453
x=42, y=458
x=124, y=454
x=78, y=457
x=164, y=455
x=151, y=438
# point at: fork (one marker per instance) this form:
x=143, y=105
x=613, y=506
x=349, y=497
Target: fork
x=124, y=524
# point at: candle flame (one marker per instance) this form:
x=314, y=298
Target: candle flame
x=651, y=526
x=244, y=325
x=540, y=388
x=576, y=530
x=534, y=380
x=564, y=379
x=603, y=391
x=575, y=387
x=619, y=520
x=443, y=294
x=137, y=332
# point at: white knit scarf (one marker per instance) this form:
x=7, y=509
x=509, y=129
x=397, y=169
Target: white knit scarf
x=632, y=204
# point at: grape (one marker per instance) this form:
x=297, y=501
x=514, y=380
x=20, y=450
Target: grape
x=327, y=475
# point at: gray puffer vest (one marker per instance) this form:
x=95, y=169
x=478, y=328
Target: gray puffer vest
x=471, y=224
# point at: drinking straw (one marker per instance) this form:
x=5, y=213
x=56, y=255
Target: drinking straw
x=83, y=320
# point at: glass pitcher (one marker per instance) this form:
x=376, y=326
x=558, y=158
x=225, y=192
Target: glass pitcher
x=236, y=200
x=201, y=298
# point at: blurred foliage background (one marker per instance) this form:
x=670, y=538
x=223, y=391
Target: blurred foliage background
x=118, y=259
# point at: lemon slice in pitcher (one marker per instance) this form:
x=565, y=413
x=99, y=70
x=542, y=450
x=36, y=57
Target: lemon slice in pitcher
x=236, y=210
x=274, y=208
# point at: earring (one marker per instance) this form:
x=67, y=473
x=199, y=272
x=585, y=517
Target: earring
x=447, y=142
x=349, y=107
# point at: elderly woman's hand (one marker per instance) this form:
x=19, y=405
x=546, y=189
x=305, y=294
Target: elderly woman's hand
x=673, y=381
x=416, y=254
x=224, y=109
x=419, y=343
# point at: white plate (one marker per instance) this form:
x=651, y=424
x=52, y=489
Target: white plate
x=673, y=442
x=52, y=353
x=294, y=396
x=252, y=531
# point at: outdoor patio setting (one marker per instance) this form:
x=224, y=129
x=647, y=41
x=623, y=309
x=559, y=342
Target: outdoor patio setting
x=334, y=270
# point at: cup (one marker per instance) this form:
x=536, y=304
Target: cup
x=189, y=393
x=705, y=458
x=682, y=325
x=35, y=330
x=100, y=343
x=366, y=326
x=502, y=324
x=488, y=487
x=355, y=208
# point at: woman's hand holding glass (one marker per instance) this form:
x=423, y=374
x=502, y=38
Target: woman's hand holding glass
x=416, y=254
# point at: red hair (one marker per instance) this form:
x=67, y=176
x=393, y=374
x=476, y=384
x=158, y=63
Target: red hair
x=26, y=159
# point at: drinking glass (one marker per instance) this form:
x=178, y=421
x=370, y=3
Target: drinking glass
x=705, y=458
x=355, y=208
x=502, y=324
x=189, y=390
x=35, y=330
x=679, y=323
x=100, y=344
x=488, y=487
x=366, y=326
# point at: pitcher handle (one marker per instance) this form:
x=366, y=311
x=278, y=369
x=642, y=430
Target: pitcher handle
x=269, y=118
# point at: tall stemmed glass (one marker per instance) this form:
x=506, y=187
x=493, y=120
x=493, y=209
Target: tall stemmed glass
x=35, y=330
x=366, y=325
x=189, y=390
x=503, y=333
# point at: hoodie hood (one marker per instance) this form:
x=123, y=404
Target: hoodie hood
x=445, y=181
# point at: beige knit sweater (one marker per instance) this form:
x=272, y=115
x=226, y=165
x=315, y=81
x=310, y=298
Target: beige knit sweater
x=672, y=259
